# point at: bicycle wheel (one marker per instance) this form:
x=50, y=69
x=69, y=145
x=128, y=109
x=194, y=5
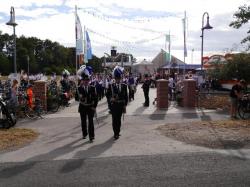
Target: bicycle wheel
x=54, y=105
x=10, y=120
x=244, y=112
x=30, y=113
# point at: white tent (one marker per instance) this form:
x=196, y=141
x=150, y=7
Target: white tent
x=143, y=67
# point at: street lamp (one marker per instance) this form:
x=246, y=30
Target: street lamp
x=14, y=24
x=207, y=26
x=28, y=71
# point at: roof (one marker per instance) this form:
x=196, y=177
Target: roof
x=161, y=60
x=143, y=62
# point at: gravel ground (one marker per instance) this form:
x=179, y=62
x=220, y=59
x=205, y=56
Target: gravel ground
x=226, y=134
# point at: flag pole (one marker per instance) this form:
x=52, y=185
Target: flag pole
x=76, y=38
x=85, y=46
x=169, y=43
x=185, y=47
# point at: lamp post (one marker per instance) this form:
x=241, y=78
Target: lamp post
x=14, y=24
x=28, y=71
x=207, y=26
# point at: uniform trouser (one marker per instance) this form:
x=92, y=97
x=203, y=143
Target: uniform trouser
x=109, y=102
x=87, y=112
x=131, y=93
x=116, y=109
x=146, y=95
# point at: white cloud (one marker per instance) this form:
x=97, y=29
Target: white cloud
x=59, y=26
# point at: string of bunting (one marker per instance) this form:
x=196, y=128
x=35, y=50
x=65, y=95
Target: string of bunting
x=111, y=19
x=138, y=20
x=125, y=42
x=124, y=47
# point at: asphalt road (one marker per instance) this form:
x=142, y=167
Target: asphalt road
x=183, y=169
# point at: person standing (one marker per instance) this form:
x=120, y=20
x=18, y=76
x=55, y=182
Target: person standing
x=235, y=95
x=88, y=101
x=13, y=98
x=118, y=94
x=131, y=87
x=145, y=87
x=65, y=87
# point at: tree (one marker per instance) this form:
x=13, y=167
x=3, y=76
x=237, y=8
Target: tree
x=5, y=65
x=242, y=17
x=44, y=56
x=237, y=68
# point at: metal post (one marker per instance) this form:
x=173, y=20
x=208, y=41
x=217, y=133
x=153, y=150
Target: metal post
x=207, y=26
x=15, y=69
x=122, y=60
x=28, y=62
x=202, y=32
x=13, y=24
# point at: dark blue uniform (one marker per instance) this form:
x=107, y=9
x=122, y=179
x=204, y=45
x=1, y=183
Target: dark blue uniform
x=119, y=99
x=88, y=101
x=145, y=87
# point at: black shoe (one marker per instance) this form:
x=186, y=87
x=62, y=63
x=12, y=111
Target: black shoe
x=91, y=139
x=84, y=136
x=116, y=137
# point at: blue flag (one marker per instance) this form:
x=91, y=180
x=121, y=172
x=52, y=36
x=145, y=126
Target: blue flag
x=89, y=49
x=79, y=36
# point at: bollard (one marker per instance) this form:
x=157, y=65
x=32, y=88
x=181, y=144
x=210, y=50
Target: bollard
x=162, y=94
x=40, y=91
x=189, y=93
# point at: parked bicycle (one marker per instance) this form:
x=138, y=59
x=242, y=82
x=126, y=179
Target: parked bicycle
x=7, y=116
x=244, y=107
x=57, y=101
x=33, y=111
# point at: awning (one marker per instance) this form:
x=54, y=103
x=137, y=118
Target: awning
x=182, y=66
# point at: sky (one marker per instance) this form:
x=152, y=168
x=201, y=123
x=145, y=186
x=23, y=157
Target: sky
x=137, y=27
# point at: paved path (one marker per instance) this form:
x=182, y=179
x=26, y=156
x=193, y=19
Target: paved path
x=60, y=133
x=141, y=157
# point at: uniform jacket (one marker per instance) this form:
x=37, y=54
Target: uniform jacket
x=119, y=92
x=146, y=85
x=87, y=97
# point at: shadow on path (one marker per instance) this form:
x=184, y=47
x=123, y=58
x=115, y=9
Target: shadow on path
x=139, y=110
x=81, y=156
x=205, y=117
x=17, y=169
x=156, y=116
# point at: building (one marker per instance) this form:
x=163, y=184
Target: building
x=142, y=67
x=161, y=63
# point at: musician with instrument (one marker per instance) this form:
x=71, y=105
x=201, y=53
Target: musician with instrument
x=118, y=93
x=88, y=100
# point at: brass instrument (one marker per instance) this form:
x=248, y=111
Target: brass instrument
x=83, y=100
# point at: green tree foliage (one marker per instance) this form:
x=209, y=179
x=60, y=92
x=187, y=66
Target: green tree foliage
x=242, y=16
x=237, y=68
x=44, y=56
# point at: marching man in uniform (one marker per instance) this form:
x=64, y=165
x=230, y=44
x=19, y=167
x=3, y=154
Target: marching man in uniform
x=88, y=100
x=145, y=87
x=118, y=94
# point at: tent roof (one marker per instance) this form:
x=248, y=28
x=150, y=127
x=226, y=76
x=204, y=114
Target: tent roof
x=143, y=62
